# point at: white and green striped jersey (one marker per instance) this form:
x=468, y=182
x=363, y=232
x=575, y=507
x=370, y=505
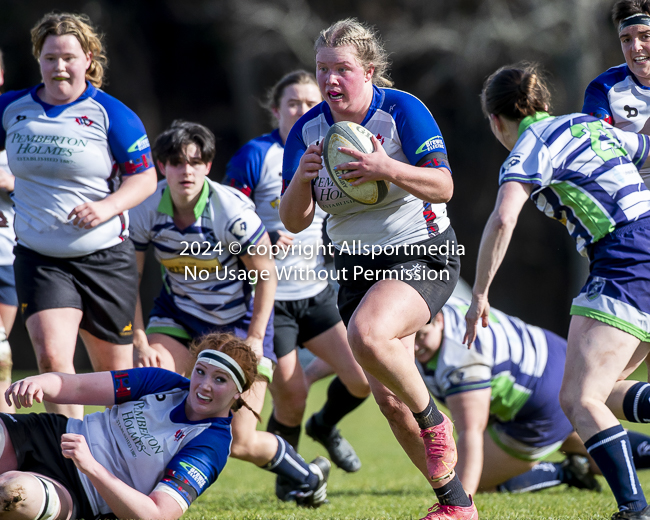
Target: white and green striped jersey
x=200, y=264
x=584, y=173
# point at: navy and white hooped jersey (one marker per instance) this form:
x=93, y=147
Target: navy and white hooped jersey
x=64, y=156
x=201, y=266
x=256, y=170
x=409, y=134
x=584, y=173
x=7, y=235
x=617, y=97
x=509, y=356
x=147, y=441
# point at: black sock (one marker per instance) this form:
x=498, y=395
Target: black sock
x=453, y=494
x=429, y=417
x=636, y=403
x=291, y=434
x=640, y=444
x=340, y=402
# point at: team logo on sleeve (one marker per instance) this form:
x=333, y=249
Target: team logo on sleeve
x=122, y=386
x=511, y=161
x=595, y=288
x=238, y=229
x=435, y=143
x=179, y=435
x=140, y=144
x=195, y=474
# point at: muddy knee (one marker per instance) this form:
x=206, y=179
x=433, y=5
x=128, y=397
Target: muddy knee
x=28, y=495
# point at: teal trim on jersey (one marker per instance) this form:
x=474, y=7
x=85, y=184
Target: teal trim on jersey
x=593, y=218
x=529, y=120
x=506, y=399
x=169, y=331
x=166, y=206
x=534, y=455
x=469, y=388
x=615, y=322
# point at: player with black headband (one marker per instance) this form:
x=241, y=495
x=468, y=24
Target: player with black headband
x=621, y=95
x=165, y=440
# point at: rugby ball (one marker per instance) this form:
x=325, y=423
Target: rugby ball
x=351, y=135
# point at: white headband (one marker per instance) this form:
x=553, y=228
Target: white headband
x=225, y=362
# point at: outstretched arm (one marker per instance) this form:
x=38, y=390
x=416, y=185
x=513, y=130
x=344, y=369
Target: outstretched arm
x=494, y=244
x=91, y=389
x=470, y=411
x=124, y=501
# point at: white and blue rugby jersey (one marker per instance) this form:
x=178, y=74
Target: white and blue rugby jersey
x=64, y=156
x=509, y=356
x=226, y=224
x=584, y=173
x=7, y=235
x=256, y=170
x=408, y=133
x=147, y=441
x=617, y=97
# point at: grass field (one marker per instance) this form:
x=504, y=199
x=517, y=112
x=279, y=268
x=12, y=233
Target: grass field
x=387, y=487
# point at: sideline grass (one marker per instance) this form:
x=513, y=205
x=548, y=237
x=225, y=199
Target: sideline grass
x=387, y=487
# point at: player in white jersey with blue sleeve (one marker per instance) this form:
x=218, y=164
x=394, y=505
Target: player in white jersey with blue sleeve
x=621, y=95
x=583, y=172
x=162, y=443
x=211, y=246
x=8, y=298
x=305, y=307
x=383, y=313
x=81, y=160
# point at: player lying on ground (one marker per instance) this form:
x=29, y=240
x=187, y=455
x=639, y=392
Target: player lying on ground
x=203, y=233
x=503, y=396
x=162, y=444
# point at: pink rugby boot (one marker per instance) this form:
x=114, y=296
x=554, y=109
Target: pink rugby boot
x=440, y=450
x=440, y=512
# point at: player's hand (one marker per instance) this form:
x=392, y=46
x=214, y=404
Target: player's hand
x=257, y=346
x=75, y=447
x=366, y=166
x=7, y=181
x=23, y=393
x=310, y=163
x=478, y=310
x=92, y=214
x=143, y=354
x=284, y=242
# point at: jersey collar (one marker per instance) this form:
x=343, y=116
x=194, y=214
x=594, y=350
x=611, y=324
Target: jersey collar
x=166, y=205
x=56, y=110
x=529, y=120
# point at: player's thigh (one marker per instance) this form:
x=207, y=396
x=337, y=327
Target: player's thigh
x=53, y=333
x=597, y=356
x=105, y=355
x=390, y=309
x=8, y=316
x=174, y=355
x=499, y=466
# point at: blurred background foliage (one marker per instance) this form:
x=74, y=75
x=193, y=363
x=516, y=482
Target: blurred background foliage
x=211, y=61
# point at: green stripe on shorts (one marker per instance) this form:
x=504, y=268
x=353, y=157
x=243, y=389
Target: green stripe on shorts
x=613, y=321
